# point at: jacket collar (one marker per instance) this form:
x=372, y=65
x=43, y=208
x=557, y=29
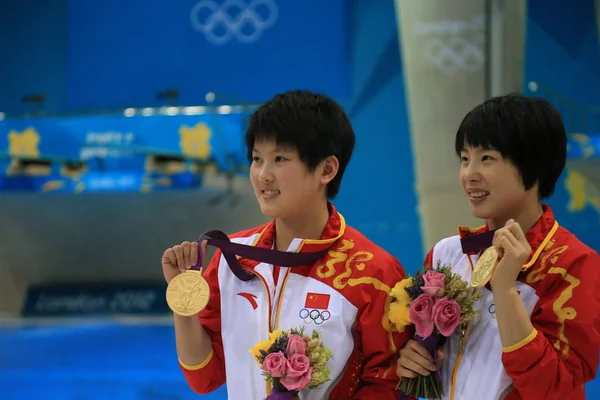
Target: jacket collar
x=334, y=229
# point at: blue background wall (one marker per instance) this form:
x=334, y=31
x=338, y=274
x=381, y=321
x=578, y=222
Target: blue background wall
x=33, y=38
x=378, y=194
x=86, y=56
x=563, y=59
x=562, y=48
x=119, y=59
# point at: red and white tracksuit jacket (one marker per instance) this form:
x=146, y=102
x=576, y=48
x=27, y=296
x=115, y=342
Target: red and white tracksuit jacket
x=560, y=288
x=348, y=288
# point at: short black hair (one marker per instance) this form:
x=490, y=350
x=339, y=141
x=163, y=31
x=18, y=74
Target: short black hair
x=528, y=131
x=312, y=123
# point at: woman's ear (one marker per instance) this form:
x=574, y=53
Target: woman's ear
x=329, y=169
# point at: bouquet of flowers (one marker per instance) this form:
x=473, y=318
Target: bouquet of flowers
x=437, y=302
x=292, y=361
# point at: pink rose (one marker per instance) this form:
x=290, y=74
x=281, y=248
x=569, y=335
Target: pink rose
x=420, y=314
x=446, y=315
x=434, y=281
x=275, y=364
x=295, y=345
x=298, y=373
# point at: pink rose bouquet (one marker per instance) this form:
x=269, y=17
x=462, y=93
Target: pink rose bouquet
x=436, y=301
x=292, y=361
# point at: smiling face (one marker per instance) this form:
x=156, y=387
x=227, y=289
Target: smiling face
x=512, y=150
x=493, y=186
x=283, y=185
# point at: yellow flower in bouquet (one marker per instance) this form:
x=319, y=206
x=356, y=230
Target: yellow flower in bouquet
x=399, y=308
x=265, y=345
x=260, y=347
x=275, y=334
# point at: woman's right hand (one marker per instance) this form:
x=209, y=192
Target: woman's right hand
x=415, y=360
x=177, y=259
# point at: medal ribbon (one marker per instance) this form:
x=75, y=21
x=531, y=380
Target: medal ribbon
x=230, y=250
x=474, y=243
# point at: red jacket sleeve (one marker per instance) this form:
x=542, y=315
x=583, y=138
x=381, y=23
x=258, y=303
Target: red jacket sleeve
x=379, y=343
x=210, y=374
x=428, y=263
x=561, y=354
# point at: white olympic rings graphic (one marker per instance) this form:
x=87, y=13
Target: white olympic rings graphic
x=455, y=54
x=234, y=19
x=316, y=316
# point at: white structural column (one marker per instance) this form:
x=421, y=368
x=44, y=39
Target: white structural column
x=443, y=45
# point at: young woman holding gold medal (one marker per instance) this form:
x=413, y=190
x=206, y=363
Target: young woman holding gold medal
x=299, y=144
x=537, y=335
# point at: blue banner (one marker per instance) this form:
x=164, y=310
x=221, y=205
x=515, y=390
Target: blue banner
x=94, y=300
x=123, y=142
x=128, y=152
x=122, y=53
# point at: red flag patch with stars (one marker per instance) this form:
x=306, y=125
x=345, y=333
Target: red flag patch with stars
x=317, y=301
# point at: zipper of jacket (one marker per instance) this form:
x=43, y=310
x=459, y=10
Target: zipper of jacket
x=462, y=345
x=267, y=383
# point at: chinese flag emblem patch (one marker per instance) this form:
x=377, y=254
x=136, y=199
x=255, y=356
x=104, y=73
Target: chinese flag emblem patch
x=317, y=301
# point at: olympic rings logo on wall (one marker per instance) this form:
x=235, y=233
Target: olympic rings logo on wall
x=233, y=19
x=455, y=53
x=316, y=316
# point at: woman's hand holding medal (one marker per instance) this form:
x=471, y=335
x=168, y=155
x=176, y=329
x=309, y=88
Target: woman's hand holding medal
x=187, y=291
x=513, y=252
x=178, y=259
x=501, y=264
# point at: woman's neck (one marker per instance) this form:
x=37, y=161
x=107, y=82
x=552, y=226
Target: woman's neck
x=309, y=226
x=525, y=217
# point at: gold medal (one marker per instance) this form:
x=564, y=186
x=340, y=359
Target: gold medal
x=188, y=293
x=484, y=269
